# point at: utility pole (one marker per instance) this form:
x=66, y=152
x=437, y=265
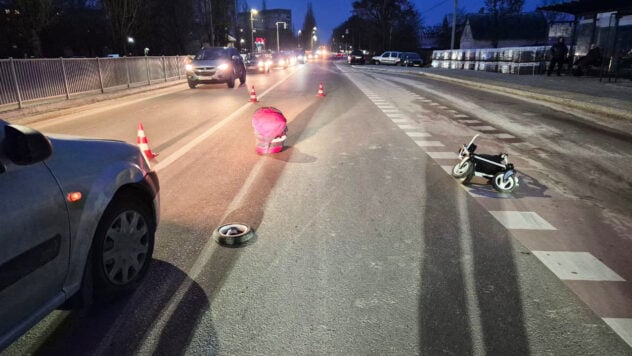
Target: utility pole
x=454, y=24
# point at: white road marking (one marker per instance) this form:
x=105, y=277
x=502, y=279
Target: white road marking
x=470, y=121
x=522, y=220
x=418, y=134
x=622, y=326
x=429, y=144
x=460, y=116
x=395, y=115
x=447, y=169
x=196, y=141
x=400, y=121
x=577, y=266
x=406, y=127
x=504, y=136
x=442, y=155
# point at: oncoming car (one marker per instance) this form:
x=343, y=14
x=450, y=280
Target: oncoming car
x=216, y=65
x=259, y=63
x=78, y=218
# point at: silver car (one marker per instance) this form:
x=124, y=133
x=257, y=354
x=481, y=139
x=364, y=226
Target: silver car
x=390, y=57
x=216, y=65
x=77, y=218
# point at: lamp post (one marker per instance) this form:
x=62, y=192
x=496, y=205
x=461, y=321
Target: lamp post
x=299, y=39
x=314, y=38
x=252, y=30
x=277, y=28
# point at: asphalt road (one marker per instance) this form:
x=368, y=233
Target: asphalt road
x=364, y=245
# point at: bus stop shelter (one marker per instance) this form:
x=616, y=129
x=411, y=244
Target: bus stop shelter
x=615, y=39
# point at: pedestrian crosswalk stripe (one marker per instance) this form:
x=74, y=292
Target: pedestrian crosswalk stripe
x=522, y=220
x=470, y=121
x=418, y=134
x=442, y=155
x=622, y=326
x=429, y=144
x=406, y=127
x=577, y=266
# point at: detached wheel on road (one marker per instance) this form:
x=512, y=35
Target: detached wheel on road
x=461, y=169
x=122, y=247
x=504, y=185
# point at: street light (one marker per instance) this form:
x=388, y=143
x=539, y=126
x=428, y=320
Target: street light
x=299, y=39
x=314, y=38
x=277, y=28
x=252, y=29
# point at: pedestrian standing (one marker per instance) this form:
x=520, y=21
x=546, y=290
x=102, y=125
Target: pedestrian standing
x=558, y=56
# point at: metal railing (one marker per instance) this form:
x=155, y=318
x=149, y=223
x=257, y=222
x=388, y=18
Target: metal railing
x=23, y=80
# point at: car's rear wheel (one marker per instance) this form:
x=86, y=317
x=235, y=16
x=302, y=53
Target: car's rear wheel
x=122, y=247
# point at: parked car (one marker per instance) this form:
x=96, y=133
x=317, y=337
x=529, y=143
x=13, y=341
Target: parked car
x=390, y=57
x=410, y=59
x=356, y=57
x=216, y=65
x=259, y=63
x=78, y=218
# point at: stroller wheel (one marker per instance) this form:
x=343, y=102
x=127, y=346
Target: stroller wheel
x=504, y=185
x=461, y=169
x=469, y=174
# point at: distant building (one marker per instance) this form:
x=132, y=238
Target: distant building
x=480, y=31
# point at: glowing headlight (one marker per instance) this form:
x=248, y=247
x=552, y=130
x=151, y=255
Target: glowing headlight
x=223, y=66
x=188, y=67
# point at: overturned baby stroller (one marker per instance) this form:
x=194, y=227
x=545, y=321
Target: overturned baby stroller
x=270, y=128
x=495, y=168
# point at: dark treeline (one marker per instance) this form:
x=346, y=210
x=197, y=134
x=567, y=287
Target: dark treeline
x=88, y=28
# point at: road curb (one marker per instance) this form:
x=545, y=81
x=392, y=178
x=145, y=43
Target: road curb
x=569, y=103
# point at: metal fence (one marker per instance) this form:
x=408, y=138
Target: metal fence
x=23, y=80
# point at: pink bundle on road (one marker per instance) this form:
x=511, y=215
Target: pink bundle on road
x=270, y=127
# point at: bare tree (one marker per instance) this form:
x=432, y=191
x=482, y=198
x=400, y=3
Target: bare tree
x=34, y=15
x=499, y=9
x=122, y=15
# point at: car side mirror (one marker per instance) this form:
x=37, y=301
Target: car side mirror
x=24, y=146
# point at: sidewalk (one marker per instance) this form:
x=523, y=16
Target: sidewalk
x=582, y=93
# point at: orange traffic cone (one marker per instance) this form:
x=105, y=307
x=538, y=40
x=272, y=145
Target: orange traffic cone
x=143, y=144
x=253, y=95
x=321, y=90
